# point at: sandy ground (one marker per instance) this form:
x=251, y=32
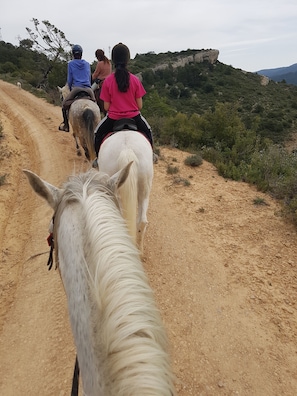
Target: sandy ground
x=223, y=270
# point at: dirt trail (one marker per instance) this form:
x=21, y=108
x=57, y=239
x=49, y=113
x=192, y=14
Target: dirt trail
x=223, y=270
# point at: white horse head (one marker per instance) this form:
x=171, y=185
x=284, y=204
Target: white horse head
x=120, y=339
x=64, y=91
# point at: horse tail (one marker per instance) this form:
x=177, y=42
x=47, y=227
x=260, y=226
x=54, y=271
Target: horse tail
x=89, y=122
x=129, y=190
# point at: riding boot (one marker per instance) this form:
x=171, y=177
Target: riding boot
x=65, y=125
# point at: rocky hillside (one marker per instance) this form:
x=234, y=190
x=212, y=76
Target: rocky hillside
x=210, y=55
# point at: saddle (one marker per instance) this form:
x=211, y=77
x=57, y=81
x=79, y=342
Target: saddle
x=79, y=95
x=82, y=94
x=124, y=123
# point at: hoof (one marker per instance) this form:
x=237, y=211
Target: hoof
x=63, y=128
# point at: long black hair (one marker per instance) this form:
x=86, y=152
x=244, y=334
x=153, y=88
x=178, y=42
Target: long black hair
x=122, y=77
x=120, y=56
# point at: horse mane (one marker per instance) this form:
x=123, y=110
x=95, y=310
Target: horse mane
x=129, y=337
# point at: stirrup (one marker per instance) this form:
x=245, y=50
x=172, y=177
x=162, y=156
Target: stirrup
x=63, y=127
x=95, y=163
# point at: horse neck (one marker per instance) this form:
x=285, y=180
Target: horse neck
x=84, y=240
x=75, y=277
x=120, y=339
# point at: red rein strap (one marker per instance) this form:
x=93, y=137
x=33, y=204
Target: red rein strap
x=50, y=239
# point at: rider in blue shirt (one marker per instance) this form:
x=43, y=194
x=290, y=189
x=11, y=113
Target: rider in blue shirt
x=79, y=74
x=78, y=80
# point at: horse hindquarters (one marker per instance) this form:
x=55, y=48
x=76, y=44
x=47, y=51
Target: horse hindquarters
x=84, y=115
x=131, y=145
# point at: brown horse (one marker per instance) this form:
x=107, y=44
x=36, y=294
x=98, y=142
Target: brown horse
x=96, y=87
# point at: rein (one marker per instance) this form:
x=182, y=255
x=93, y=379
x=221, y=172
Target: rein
x=50, y=241
x=75, y=379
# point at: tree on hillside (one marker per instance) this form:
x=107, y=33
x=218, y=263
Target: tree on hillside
x=49, y=41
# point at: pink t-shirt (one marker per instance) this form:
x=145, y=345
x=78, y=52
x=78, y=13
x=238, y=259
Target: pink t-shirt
x=122, y=104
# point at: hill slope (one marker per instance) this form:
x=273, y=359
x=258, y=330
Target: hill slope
x=196, y=87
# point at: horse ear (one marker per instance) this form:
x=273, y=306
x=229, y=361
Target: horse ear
x=47, y=191
x=119, y=178
x=59, y=89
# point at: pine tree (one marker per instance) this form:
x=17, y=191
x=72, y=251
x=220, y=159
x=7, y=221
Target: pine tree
x=49, y=41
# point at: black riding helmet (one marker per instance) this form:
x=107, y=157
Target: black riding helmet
x=77, y=50
x=120, y=54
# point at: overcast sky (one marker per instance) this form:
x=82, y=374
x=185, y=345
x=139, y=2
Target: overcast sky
x=249, y=34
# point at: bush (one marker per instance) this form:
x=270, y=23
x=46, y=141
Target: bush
x=194, y=160
x=171, y=170
x=2, y=179
x=8, y=67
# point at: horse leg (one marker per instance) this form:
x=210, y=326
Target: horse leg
x=85, y=147
x=86, y=153
x=141, y=228
x=142, y=222
x=78, y=152
x=101, y=107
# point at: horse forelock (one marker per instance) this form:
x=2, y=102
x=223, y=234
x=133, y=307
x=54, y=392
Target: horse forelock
x=76, y=190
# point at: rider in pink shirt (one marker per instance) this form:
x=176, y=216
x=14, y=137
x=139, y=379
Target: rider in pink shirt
x=122, y=94
x=103, y=67
x=103, y=70
x=122, y=104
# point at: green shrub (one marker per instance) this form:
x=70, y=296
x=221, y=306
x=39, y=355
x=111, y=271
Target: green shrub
x=194, y=160
x=2, y=179
x=259, y=201
x=181, y=180
x=171, y=170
